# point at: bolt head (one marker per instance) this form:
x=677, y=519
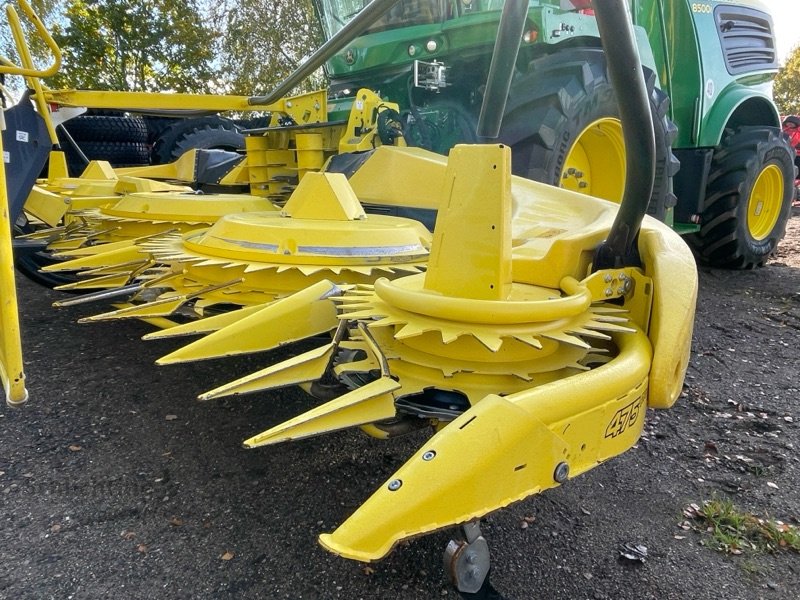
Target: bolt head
x=561, y=474
x=394, y=485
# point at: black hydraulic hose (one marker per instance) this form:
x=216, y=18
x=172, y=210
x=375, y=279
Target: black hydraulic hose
x=625, y=74
x=355, y=27
x=501, y=69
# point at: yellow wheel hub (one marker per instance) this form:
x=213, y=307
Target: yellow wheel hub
x=764, y=204
x=595, y=164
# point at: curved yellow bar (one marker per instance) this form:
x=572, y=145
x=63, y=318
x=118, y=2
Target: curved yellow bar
x=409, y=294
x=17, y=31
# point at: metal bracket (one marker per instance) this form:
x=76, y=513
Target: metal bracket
x=431, y=76
x=466, y=561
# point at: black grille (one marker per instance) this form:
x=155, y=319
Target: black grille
x=748, y=43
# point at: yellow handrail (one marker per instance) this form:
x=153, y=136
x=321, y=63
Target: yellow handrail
x=18, y=33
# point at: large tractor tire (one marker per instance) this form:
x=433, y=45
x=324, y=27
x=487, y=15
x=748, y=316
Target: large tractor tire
x=748, y=199
x=206, y=133
x=120, y=140
x=439, y=125
x=98, y=128
x=562, y=123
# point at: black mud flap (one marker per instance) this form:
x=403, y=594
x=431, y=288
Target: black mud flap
x=212, y=165
x=26, y=147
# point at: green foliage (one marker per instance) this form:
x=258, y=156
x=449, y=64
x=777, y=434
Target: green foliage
x=734, y=531
x=135, y=45
x=265, y=40
x=787, y=85
x=225, y=46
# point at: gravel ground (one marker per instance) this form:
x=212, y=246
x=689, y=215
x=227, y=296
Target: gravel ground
x=114, y=481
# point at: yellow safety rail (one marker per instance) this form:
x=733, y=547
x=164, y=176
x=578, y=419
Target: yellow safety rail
x=11, y=367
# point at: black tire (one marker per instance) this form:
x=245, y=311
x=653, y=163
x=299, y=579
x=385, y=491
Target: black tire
x=157, y=125
x=206, y=132
x=119, y=154
x=748, y=199
x=94, y=128
x=559, y=98
x=439, y=126
x=29, y=259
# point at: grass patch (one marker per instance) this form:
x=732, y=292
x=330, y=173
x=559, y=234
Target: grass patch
x=734, y=531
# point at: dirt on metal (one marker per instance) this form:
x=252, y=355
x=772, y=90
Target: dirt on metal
x=115, y=481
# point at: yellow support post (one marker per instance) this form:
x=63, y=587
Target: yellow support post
x=11, y=371
x=11, y=367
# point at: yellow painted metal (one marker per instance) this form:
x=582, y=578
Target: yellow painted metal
x=407, y=177
x=671, y=267
x=310, y=153
x=595, y=164
x=135, y=217
x=12, y=373
x=184, y=168
x=305, y=108
x=57, y=165
x=184, y=207
x=482, y=269
x=302, y=368
x=11, y=367
x=323, y=241
x=552, y=374
x=24, y=52
x=502, y=450
x=305, y=313
x=369, y=403
x=765, y=202
x=163, y=306
x=120, y=255
x=362, y=126
x=46, y=206
x=205, y=325
x=325, y=196
x=103, y=282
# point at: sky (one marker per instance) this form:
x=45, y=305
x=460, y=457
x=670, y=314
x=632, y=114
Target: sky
x=786, y=16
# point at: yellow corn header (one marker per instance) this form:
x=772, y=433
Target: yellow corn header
x=498, y=331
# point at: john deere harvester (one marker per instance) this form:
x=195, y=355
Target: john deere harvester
x=529, y=333
x=708, y=67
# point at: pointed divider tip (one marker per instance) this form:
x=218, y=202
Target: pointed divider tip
x=304, y=314
x=367, y=404
x=303, y=368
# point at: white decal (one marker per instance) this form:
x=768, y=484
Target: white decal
x=710, y=88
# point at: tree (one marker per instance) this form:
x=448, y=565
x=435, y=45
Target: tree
x=787, y=85
x=265, y=40
x=135, y=45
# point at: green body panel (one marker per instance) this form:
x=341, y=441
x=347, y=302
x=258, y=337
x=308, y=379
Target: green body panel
x=715, y=59
x=680, y=42
x=705, y=95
